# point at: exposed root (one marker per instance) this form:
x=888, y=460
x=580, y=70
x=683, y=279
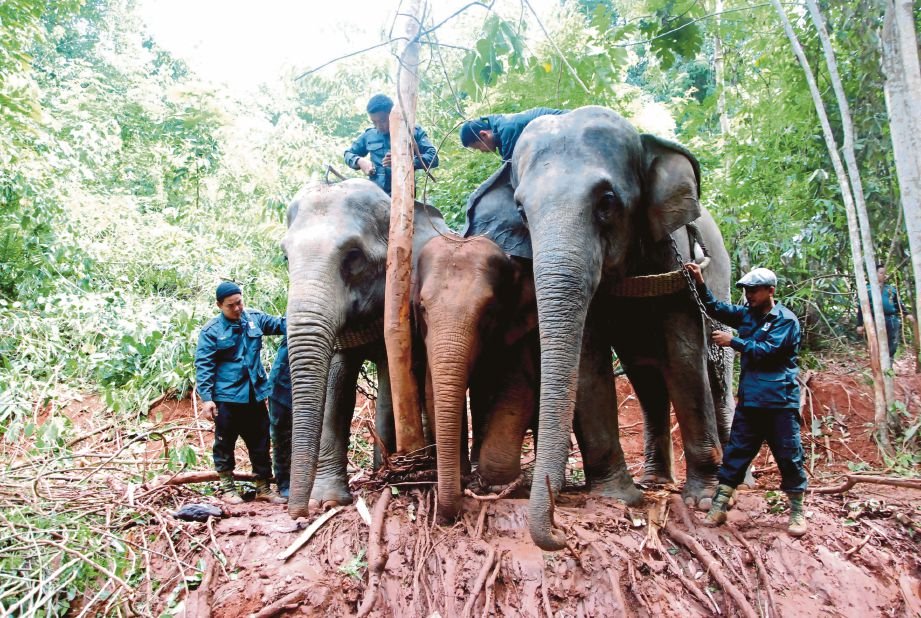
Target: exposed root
x=480, y=520
x=290, y=601
x=490, y=584
x=713, y=567
x=376, y=557
x=853, y=479
x=545, y=596
x=480, y=580
x=759, y=564
x=502, y=494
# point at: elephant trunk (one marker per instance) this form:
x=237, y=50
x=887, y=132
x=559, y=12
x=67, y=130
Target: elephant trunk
x=312, y=331
x=564, y=287
x=450, y=361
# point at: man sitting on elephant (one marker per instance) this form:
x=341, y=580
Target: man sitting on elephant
x=233, y=386
x=500, y=132
x=375, y=142
x=768, y=408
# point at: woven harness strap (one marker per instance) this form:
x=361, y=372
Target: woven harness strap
x=358, y=337
x=660, y=284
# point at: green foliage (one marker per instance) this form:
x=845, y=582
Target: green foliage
x=354, y=566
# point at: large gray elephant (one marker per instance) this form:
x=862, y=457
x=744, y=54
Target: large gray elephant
x=336, y=245
x=604, y=203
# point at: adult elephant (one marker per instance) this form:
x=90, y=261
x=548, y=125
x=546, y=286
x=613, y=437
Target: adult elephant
x=336, y=245
x=603, y=203
x=477, y=320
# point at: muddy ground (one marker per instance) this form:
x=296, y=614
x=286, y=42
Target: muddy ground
x=860, y=558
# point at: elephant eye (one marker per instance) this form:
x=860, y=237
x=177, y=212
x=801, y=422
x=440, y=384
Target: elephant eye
x=522, y=213
x=607, y=207
x=353, y=263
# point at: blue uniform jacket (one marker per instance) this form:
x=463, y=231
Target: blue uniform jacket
x=227, y=361
x=280, y=377
x=768, y=346
x=892, y=304
x=507, y=128
x=376, y=144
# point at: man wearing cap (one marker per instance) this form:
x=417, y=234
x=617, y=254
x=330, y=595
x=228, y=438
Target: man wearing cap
x=767, y=406
x=233, y=386
x=500, y=132
x=375, y=142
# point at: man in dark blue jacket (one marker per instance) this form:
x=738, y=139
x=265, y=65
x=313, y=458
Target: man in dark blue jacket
x=375, y=142
x=233, y=386
x=500, y=132
x=768, y=401
x=280, y=418
x=893, y=310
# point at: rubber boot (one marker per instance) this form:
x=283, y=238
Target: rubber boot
x=717, y=514
x=231, y=496
x=797, y=526
x=265, y=493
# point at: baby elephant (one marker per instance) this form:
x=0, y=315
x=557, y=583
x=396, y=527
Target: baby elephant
x=476, y=314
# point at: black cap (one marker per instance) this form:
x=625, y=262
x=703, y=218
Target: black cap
x=225, y=289
x=380, y=103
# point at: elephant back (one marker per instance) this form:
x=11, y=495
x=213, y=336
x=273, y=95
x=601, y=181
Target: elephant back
x=491, y=212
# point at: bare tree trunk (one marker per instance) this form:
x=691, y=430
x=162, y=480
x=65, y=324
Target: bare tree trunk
x=720, y=78
x=397, y=336
x=903, y=93
x=852, y=226
x=869, y=253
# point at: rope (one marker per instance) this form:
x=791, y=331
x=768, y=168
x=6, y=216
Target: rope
x=661, y=284
x=360, y=336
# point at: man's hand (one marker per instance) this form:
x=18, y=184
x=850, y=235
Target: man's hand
x=860, y=330
x=386, y=160
x=719, y=337
x=366, y=166
x=209, y=409
x=695, y=271
x=910, y=317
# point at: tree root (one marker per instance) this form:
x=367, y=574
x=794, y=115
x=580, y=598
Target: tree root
x=852, y=480
x=480, y=580
x=713, y=567
x=376, y=557
x=502, y=494
x=759, y=564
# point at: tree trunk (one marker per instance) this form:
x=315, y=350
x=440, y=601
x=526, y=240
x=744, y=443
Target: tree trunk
x=406, y=412
x=903, y=92
x=852, y=225
x=863, y=220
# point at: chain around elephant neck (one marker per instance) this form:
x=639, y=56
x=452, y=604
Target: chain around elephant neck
x=357, y=337
x=715, y=354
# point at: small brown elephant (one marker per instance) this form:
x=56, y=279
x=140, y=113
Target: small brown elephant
x=476, y=314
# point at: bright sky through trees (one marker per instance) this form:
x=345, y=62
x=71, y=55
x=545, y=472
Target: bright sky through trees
x=243, y=44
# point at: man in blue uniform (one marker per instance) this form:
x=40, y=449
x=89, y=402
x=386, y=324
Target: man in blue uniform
x=233, y=386
x=280, y=418
x=893, y=310
x=375, y=142
x=768, y=400
x=500, y=132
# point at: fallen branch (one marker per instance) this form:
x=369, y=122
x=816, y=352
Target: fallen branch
x=857, y=547
x=480, y=580
x=852, y=480
x=762, y=571
x=288, y=602
x=713, y=567
x=376, y=557
x=308, y=533
x=185, y=478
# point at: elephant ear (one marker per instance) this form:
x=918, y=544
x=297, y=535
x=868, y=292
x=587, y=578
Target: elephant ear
x=672, y=185
x=293, y=208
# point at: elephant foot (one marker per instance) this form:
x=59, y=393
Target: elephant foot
x=618, y=485
x=329, y=493
x=698, y=493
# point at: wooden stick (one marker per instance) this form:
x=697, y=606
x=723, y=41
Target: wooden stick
x=714, y=568
x=377, y=558
x=397, y=336
x=308, y=533
x=184, y=478
x=480, y=580
x=852, y=480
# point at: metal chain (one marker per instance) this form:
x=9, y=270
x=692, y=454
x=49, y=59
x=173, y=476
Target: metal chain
x=715, y=354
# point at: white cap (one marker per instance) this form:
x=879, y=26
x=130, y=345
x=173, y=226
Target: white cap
x=758, y=276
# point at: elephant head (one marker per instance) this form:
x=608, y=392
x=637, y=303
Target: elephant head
x=468, y=296
x=336, y=245
x=592, y=190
